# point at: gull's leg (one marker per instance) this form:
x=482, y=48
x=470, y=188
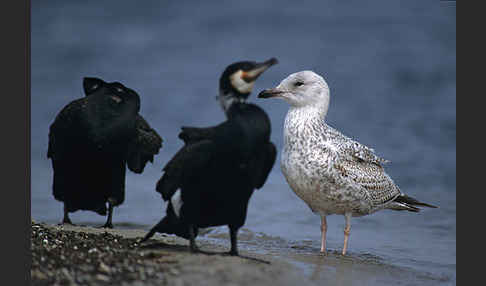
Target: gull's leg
x=323, y=233
x=347, y=230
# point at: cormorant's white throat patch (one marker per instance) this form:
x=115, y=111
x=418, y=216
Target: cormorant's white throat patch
x=240, y=84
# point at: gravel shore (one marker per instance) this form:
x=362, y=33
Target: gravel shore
x=78, y=255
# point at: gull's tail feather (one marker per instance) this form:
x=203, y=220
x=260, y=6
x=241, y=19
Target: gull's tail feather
x=404, y=202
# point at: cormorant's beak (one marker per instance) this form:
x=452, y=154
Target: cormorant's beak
x=271, y=92
x=257, y=70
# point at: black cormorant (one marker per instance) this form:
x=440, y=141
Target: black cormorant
x=90, y=142
x=210, y=180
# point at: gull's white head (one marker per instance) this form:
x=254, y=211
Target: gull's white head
x=301, y=89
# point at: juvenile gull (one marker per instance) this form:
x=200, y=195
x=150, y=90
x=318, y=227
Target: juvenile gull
x=332, y=173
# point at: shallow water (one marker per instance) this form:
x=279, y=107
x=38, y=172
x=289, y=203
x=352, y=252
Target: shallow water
x=391, y=69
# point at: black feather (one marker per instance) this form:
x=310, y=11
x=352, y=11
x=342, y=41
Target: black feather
x=90, y=142
x=411, y=202
x=219, y=167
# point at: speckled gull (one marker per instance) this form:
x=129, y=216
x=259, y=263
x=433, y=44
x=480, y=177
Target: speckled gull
x=332, y=173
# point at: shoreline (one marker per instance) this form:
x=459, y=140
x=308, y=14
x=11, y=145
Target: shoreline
x=86, y=255
x=83, y=255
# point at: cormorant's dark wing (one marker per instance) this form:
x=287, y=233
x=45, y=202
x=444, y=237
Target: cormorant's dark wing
x=188, y=161
x=66, y=126
x=262, y=164
x=145, y=145
x=193, y=158
x=191, y=135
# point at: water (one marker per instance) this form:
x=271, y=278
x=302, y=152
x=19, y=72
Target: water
x=391, y=69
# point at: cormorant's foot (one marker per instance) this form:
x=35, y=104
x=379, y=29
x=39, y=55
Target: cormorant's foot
x=232, y=253
x=194, y=249
x=143, y=239
x=107, y=225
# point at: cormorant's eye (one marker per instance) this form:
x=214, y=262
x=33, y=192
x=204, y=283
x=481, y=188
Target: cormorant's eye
x=299, y=83
x=119, y=89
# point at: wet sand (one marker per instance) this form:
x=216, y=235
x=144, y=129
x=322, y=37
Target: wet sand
x=85, y=255
x=79, y=255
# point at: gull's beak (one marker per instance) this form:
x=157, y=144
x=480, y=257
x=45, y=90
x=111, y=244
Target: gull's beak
x=271, y=92
x=257, y=70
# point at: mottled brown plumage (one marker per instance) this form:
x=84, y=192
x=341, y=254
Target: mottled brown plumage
x=329, y=171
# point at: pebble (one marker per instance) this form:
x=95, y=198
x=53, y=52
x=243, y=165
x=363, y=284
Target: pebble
x=102, y=277
x=150, y=271
x=73, y=258
x=142, y=274
x=37, y=274
x=104, y=268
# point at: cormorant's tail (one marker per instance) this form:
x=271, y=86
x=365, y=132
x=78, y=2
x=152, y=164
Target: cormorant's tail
x=404, y=202
x=170, y=224
x=161, y=227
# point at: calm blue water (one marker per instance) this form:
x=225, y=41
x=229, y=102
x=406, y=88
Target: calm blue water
x=391, y=67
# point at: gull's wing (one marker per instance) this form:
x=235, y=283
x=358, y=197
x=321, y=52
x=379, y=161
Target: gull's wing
x=362, y=166
x=354, y=149
x=369, y=175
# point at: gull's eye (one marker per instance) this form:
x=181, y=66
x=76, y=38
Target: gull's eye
x=298, y=83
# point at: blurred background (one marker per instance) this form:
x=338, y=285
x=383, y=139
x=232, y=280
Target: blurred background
x=390, y=65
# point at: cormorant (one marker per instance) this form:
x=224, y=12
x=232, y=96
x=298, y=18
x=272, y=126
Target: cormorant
x=90, y=142
x=210, y=180
x=147, y=141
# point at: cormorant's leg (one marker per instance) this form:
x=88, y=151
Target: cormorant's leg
x=347, y=230
x=159, y=227
x=192, y=239
x=109, y=223
x=323, y=233
x=66, y=216
x=234, y=241
x=149, y=234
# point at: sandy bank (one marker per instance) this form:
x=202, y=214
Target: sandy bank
x=76, y=255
